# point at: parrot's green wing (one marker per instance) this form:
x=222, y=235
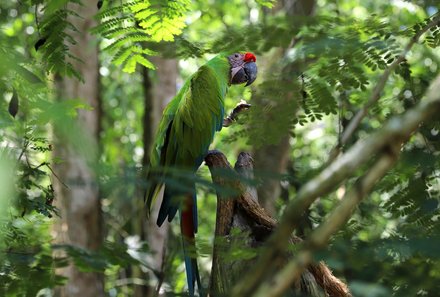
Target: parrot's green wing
x=189, y=123
x=199, y=116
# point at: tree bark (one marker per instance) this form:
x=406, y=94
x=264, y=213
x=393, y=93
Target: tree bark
x=273, y=158
x=242, y=212
x=159, y=89
x=80, y=222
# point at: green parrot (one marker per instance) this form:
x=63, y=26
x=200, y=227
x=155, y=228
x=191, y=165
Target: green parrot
x=185, y=132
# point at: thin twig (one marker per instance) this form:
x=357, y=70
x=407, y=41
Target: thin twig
x=26, y=143
x=57, y=177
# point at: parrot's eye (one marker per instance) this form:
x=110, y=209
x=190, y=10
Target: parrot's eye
x=236, y=55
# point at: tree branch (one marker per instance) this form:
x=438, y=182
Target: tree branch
x=375, y=96
x=219, y=283
x=255, y=226
x=319, y=238
x=397, y=130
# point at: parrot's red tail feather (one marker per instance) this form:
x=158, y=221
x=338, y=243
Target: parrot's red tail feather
x=188, y=226
x=187, y=223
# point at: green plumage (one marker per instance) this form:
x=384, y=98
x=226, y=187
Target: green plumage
x=188, y=126
x=185, y=132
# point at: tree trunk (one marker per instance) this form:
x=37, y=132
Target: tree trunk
x=80, y=222
x=273, y=158
x=159, y=89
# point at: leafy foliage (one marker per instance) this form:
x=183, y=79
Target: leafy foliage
x=32, y=194
x=130, y=25
x=55, y=38
x=161, y=20
x=327, y=72
x=267, y=3
x=27, y=264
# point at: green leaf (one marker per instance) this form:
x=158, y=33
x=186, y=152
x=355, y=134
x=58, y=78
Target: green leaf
x=130, y=65
x=266, y=3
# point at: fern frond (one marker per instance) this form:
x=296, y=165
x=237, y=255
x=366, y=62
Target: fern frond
x=122, y=55
x=111, y=24
x=128, y=39
x=55, y=29
x=119, y=31
x=131, y=24
x=130, y=65
x=161, y=19
x=115, y=10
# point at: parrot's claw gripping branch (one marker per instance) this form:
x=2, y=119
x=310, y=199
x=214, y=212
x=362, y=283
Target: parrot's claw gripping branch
x=233, y=116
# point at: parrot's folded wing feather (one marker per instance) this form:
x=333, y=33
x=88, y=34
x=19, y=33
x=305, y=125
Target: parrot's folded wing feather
x=157, y=157
x=199, y=115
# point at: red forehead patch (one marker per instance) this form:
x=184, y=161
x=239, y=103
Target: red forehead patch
x=248, y=57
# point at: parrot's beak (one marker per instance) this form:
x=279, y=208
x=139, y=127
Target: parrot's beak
x=250, y=68
x=246, y=73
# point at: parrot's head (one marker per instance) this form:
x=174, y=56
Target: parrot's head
x=243, y=68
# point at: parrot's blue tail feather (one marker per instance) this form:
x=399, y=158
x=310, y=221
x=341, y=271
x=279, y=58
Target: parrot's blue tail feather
x=188, y=225
x=193, y=276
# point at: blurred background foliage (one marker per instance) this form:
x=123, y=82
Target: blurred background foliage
x=317, y=68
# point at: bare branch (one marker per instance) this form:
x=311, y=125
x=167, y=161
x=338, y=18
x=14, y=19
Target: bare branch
x=397, y=130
